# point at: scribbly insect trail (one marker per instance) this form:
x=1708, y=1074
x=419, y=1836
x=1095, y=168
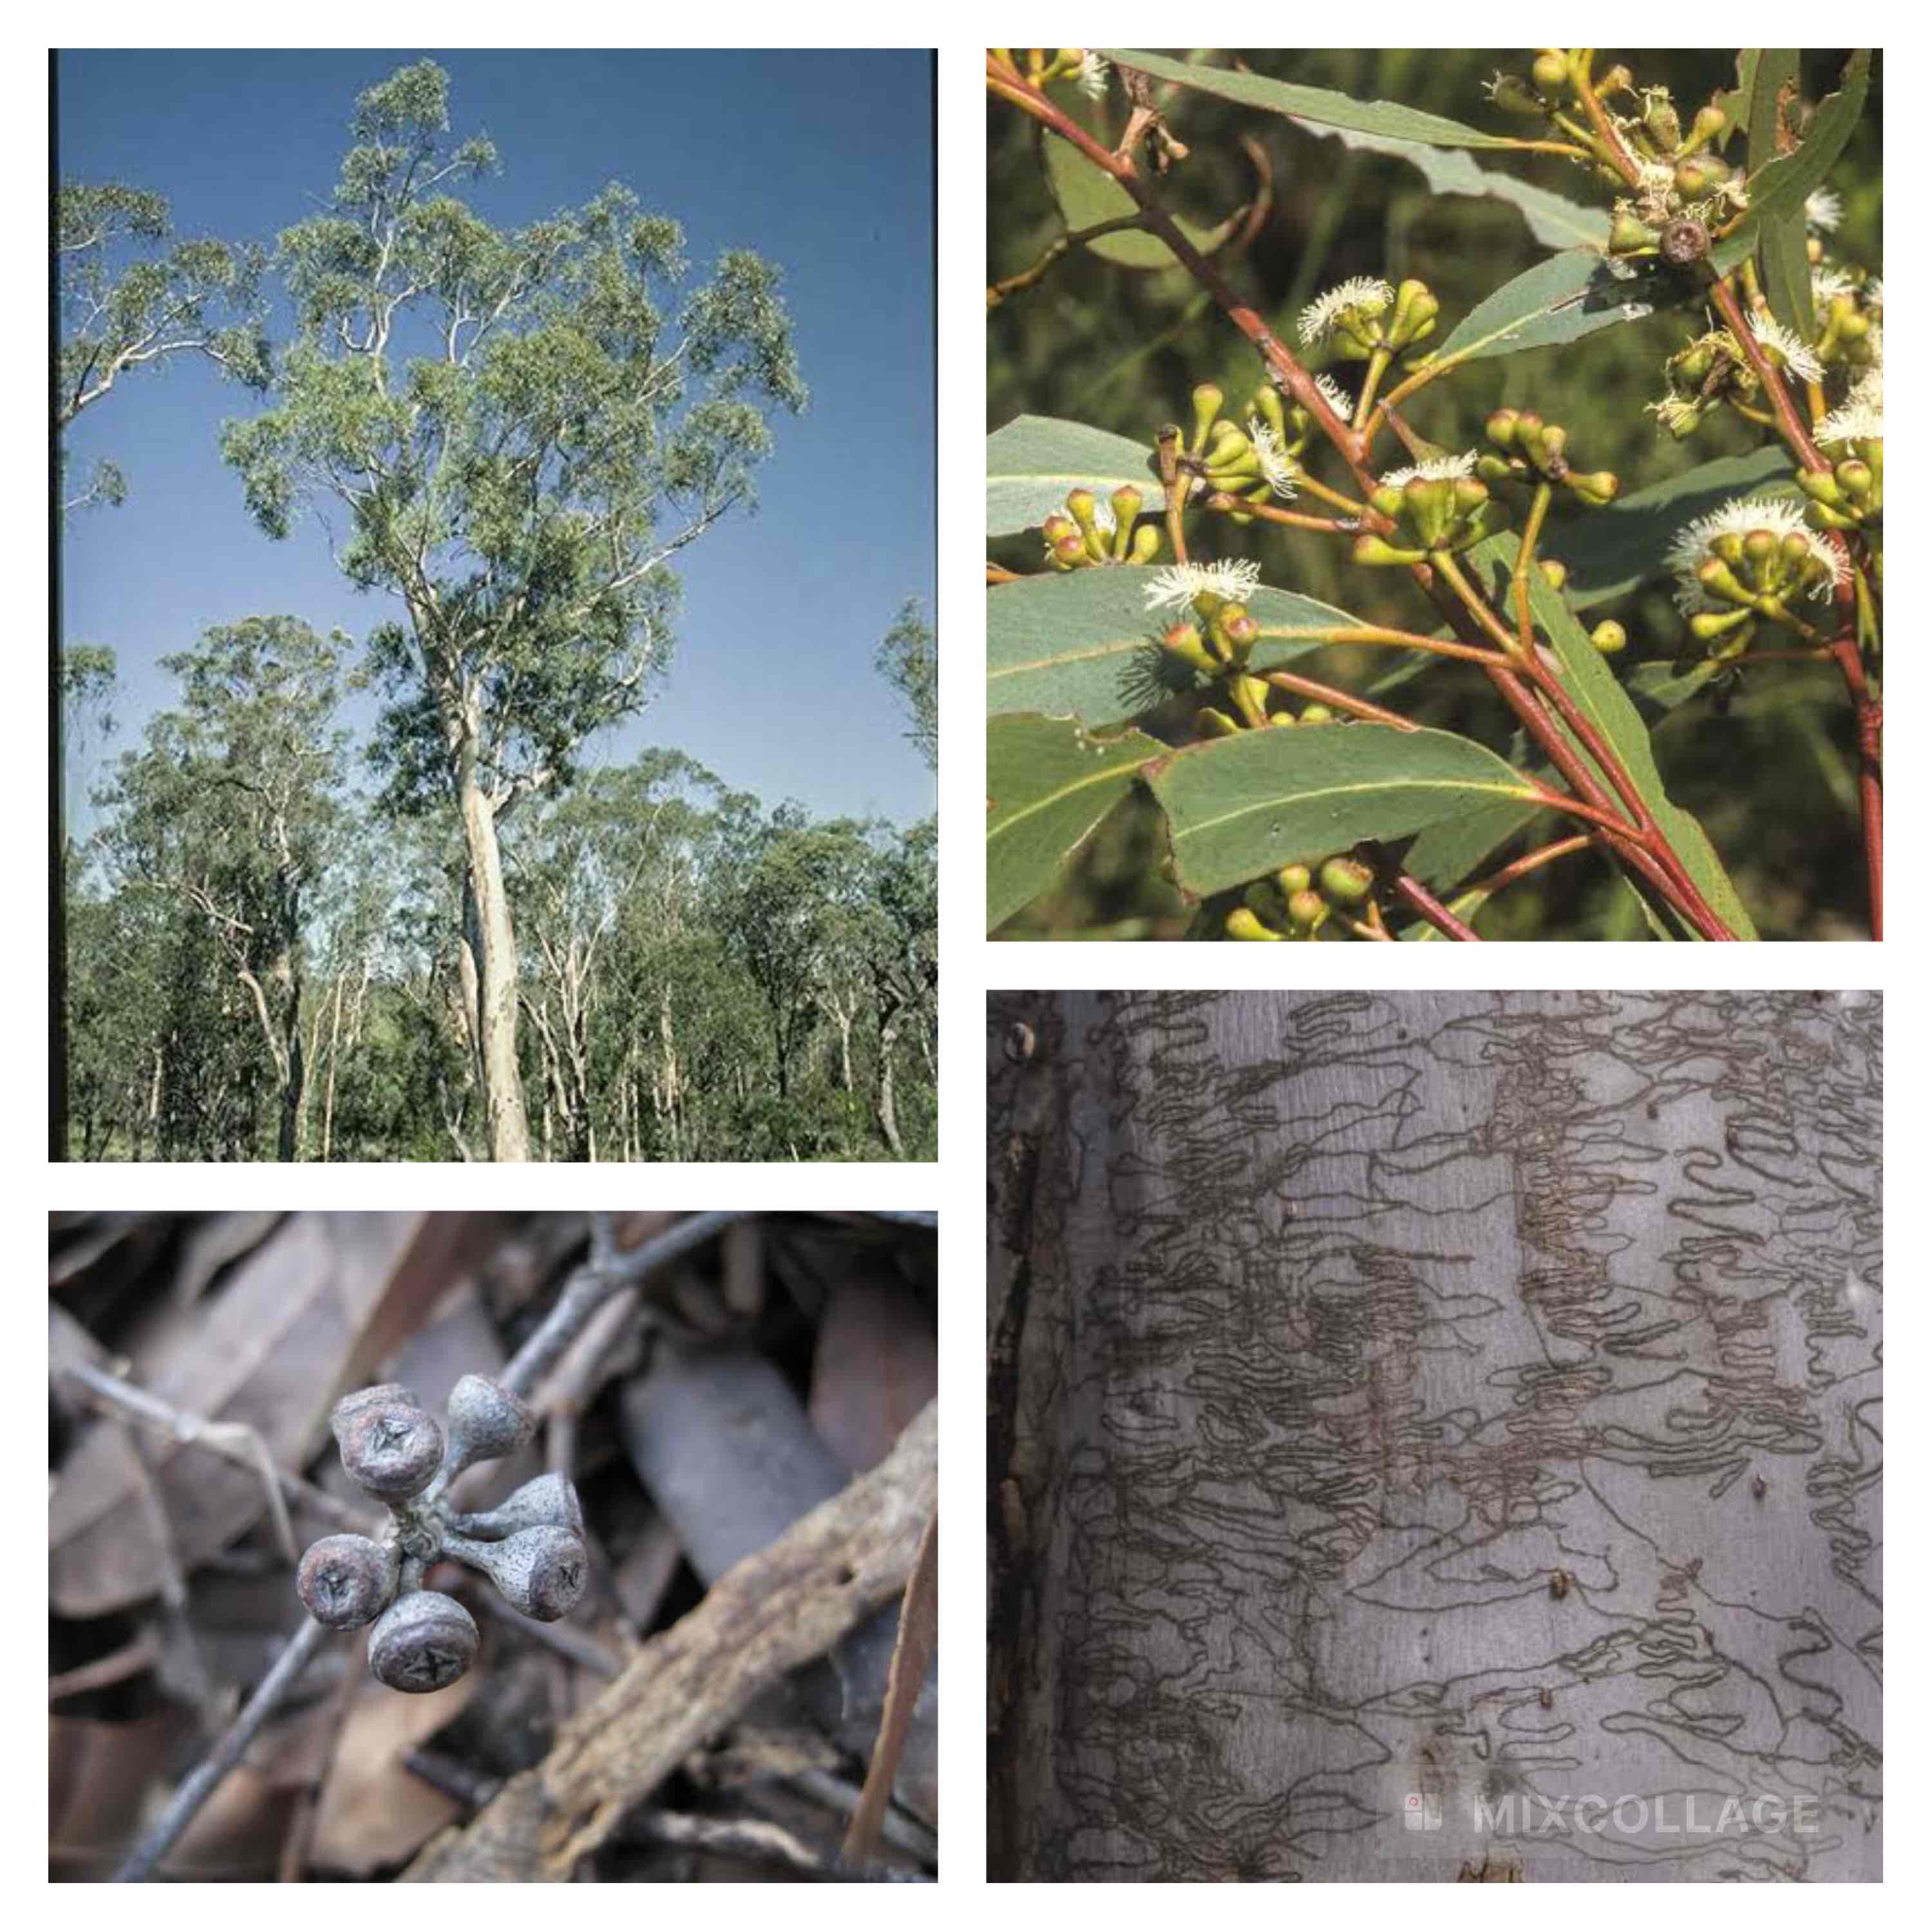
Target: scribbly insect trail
x=1406, y=1401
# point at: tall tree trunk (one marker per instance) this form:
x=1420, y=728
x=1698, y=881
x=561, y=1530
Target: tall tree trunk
x=295, y=1074
x=885, y=1110
x=494, y=950
x=1435, y=1435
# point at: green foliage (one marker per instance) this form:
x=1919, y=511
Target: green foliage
x=1240, y=807
x=1085, y=363
x=908, y=660
x=125, y=301
x=524, y=428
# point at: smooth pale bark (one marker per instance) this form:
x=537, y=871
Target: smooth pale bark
x=492, y=948
x=1415, y=1416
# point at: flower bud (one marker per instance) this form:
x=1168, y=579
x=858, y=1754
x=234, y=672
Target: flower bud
x=1345, y=881
x=1500, y=427
x=1556, y=573
x=1550, y=73
x=1292, y=879
x=1146, y=543
x=1182, y=640
x=1609, y=637
x=1596, y=489
x=1241, y=923
x=1213, y=724
x=1510, y=92
x=1317, y=714
x=1306, y=911
x=1207, y=400
x=1707, y=124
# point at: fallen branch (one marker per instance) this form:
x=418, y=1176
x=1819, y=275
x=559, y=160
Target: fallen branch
x=774, y=1611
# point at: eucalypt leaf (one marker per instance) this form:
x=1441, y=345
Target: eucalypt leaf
x=1238, y=808
x=1048, y=784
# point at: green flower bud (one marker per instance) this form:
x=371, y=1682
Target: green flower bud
x=1500, y=427
x=1207, y=400
x=1346, y=881
x=1306, y=912
x=1555, y=573
x=1213, y=724
x=1510, y=92
x=1070, y=553
x=1146, y=545
x=1293, y=879
x=1370, y=549
x=1429, y=507
x=1596, y=489
x=1414, y=319
x=1660, y=119
x=1317, y=714
x=1609, y=637
x=1232, y=632
x=1629, y=236
x=1266, y=403
x=1707, y=124
x=1242, y=924
x=1550, y=74
x=1183, y=640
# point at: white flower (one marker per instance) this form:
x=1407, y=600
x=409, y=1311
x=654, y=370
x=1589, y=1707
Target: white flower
x=1675, y=413
x=1362, y=292
x=1179, y=583
x=1093, y=76
x=1798, y=356
x=1277, y=464
x=1103, y=516
x=1781, y=516
x=1339, y=398
x=1853, y=421
x=1823, y=211
x=1432, y=469
x=1828, y=284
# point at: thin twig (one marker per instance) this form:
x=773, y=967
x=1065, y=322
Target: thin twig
x=196, y=1788
x=609, y=1269
x=913, y=1651
x=235, y=1441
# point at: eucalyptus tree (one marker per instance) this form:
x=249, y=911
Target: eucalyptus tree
x=903, y=958
x=521, y=436
x=908, y=660
x=129, y=297
x=229, y=804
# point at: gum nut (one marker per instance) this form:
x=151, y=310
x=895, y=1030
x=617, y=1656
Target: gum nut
x=542, y=1572
x=486, y=1421
x=343, y=1580
x=549, y=1500
x=392, y=1449
x=422, y=1642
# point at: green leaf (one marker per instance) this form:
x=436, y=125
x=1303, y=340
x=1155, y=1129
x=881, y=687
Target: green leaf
x=1087, y=195
x=1611, y=551
x=1447, y=853
x=1239, y=807
x=1048, y=785
x=1785, y=268
x=1083, y=644
x=1736, y=104
x=1571, y=295
x=1659, y=687
x=1034, y=460
x=1320, y=104
x=1782, y=184
x=1556, y=223
x=1604, y=703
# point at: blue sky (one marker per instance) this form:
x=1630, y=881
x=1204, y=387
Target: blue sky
x=819, y=161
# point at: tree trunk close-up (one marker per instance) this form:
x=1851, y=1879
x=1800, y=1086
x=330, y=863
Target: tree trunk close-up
x=1435, y=1436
